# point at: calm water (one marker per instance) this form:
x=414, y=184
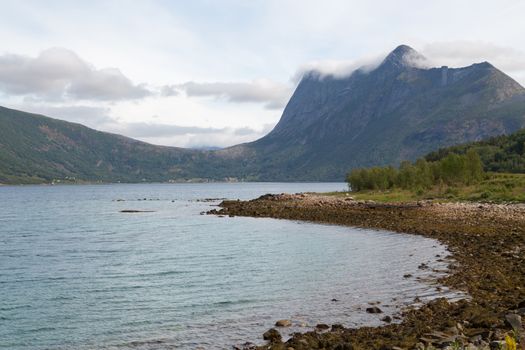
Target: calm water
x=77, y=273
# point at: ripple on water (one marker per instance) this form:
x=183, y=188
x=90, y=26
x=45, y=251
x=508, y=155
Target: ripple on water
x=79, y=274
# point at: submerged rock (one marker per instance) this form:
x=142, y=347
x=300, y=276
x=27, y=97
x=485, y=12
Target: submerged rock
x=374, y=310
x=283, y=323
x=387, y=319
x=136, y=211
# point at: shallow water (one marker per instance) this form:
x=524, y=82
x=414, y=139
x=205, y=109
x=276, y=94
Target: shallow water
x=75, y=272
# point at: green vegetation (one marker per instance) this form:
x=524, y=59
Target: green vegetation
x=495, y=187
x=498, y=154
x=479, y=171
x=36, y=149
x=452, y=170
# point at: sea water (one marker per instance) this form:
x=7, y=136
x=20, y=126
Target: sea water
x=77, y=273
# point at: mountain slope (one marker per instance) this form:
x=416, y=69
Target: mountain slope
x=35, y=148
x=394, y=112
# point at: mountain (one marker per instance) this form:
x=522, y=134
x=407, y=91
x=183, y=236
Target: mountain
x=396, y=111
x=35, y=148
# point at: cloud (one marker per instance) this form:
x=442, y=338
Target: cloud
x=147, y=130
x=92, y=116
x=338, y=68
x=60, y=74
x=272, y=94
x=168, y=90
x=452, y=53
x=464, y=53
x=189, y=136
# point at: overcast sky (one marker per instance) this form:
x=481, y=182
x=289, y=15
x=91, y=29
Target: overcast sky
x=216, y=73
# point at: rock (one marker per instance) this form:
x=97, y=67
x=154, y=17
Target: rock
x=136, y=211
x=343, y=346
x=484, y=320
x=476, y=340
x=322, y=327
x=495, y=345
x=283, y=323
x=335, y=300
x=521, y=304
x=272, y=335
x=387, y=319
x=514, y=321
x=521, y=311
x=470, y=347
x=374, y=310
x=336, y=327
x=408, y=275
x=245, y=346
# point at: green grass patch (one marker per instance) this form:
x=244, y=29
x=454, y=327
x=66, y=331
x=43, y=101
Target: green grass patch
x=495, y=187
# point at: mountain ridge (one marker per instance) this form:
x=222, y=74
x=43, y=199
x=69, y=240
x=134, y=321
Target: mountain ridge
x=382, y=116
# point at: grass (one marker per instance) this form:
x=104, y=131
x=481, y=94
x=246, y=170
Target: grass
x=496, y=187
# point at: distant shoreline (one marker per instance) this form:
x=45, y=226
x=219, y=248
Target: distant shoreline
x=486, y=240
x=160, y=183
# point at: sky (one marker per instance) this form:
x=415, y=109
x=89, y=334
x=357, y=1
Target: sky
x=206, y=73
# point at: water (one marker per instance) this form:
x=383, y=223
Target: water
x=75, y=272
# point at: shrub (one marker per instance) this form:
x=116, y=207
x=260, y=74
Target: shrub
x=453, y=169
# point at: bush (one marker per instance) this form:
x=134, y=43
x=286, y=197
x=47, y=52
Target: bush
x=451, y=170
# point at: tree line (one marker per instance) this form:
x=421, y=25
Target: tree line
x=452, y=169
x=505, y=153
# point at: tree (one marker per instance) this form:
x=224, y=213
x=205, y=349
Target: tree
x=474, y=166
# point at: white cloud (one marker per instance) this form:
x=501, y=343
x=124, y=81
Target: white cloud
x=190, y=136
x=168, y=90
x=271, y=94
x=337, y=68
x=58, y=74
x=463, y=53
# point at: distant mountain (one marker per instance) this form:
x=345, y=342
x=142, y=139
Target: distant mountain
x=36, y=149
x=394, y=112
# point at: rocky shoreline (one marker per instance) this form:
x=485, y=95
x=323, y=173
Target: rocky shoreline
x=486, y=240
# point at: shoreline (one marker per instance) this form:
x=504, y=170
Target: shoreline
x=487, y=242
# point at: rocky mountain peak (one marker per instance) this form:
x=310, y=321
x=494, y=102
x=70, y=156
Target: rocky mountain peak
x=403, y=56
